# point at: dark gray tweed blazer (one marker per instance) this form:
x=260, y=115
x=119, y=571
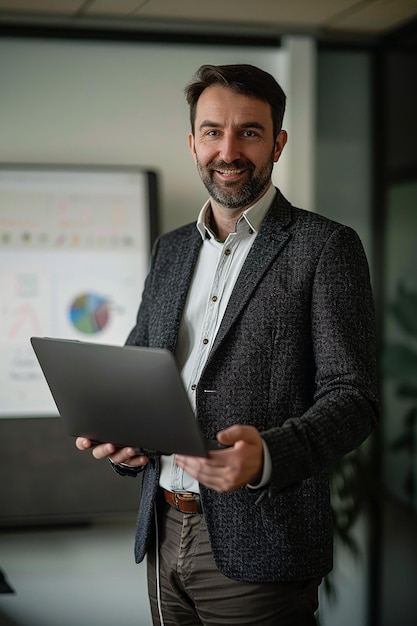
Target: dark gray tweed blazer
x=294, y=357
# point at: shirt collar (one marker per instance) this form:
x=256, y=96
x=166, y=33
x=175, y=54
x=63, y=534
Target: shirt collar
x=253, y=215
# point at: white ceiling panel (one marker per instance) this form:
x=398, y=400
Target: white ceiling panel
x=377, y=16
x=372, y=17
x=311, y=12
x=115, y=8
x=66, y=7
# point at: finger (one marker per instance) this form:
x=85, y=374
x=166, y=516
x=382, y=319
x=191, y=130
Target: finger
x=207, y=471
x=129, y=456
x=230, y=434
x=224, y=470
x=237, y=432
x=103, y=450
x=138, y=461
x=83, y=443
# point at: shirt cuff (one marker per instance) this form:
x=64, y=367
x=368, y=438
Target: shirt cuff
x=267, y=469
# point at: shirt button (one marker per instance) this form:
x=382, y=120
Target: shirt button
x=205, y=341
x=193, y=387
x=214, y=298
x=227, y=251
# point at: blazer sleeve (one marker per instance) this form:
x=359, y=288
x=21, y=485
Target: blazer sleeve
x=139, y=335
x=346, y=406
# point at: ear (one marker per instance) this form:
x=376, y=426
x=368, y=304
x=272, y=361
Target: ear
x=280, y=142
x=191, y=145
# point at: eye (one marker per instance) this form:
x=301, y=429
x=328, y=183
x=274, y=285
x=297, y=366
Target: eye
x=249, y=133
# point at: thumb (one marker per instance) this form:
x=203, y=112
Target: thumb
x=233, y=434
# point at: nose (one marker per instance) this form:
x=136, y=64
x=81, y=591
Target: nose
x=229, y=148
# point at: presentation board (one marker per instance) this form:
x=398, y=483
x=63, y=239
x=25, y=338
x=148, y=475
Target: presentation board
x=74, y=252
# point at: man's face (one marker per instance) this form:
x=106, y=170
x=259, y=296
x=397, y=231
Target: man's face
x=234, y=146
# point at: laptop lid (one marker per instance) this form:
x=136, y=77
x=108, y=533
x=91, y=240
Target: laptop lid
x=126, y=395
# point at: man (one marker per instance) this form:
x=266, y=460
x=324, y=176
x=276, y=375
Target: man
x=269, y=311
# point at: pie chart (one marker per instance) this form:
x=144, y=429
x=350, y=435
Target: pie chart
x=89, y=313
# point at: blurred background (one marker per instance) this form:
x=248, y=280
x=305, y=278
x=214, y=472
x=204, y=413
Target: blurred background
x=94, y=164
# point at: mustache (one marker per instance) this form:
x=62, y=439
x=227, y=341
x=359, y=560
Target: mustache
x=238, y=164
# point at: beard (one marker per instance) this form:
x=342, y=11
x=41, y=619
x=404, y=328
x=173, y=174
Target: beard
x=236, y=194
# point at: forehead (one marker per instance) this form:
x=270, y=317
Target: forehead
x=224, y=106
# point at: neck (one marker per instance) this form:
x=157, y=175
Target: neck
x=223, y=221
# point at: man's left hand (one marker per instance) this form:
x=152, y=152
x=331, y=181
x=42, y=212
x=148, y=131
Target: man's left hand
x=239, y=464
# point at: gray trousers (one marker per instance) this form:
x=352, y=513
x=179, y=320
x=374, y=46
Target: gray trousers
x=187, y=589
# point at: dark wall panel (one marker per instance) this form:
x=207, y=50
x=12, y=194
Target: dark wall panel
x=45, y=479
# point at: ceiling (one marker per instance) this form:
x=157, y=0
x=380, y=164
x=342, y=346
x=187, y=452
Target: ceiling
x=368, y=19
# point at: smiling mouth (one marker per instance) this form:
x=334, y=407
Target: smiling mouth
x=229, y=172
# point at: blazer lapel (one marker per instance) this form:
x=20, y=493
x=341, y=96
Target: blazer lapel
x=268, y=244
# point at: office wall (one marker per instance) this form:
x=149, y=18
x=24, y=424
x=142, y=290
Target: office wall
x=344, y=140
x=344, y=193
x=95, y=102
x=398, y=241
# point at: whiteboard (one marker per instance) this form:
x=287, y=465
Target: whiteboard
x=74, y=253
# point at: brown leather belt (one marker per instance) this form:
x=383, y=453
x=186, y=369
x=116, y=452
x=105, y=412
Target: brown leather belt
x=185, y=502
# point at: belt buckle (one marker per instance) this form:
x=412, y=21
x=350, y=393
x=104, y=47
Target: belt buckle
x=184, y=496
x=176, y=501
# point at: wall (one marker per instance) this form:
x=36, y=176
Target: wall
x=344, y=193
x=123, y=103
x=398, y=249
x=344, y=135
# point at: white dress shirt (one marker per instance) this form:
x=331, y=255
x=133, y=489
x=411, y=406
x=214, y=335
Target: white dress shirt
x=215, y=274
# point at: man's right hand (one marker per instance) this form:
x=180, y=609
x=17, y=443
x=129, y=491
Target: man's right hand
x=128, y=456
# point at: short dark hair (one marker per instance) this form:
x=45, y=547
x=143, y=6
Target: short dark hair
x=245, y=79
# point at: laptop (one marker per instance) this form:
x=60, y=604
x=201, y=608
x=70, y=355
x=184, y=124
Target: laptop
x=126, y=395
